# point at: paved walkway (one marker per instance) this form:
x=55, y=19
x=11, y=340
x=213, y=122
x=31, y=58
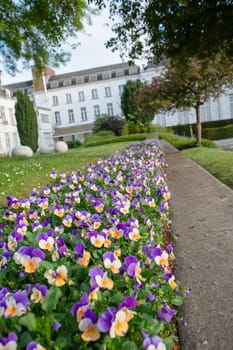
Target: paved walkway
x=202, y=218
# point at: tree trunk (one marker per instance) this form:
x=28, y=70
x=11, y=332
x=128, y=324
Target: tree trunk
x=198, y=121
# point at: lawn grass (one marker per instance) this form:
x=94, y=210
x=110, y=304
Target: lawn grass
x=218, y=162
x=18, y=176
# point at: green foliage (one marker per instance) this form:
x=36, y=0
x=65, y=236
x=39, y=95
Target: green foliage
x=73, y=144
x=26, y=121
x=109, y=140
x=136, y=128
x=218, y=133
x=189, y=85
x=104, y=123
x=173, y=29
x=134, y=109
x=184, y=129
x=98, y=136
x=184, y=143
x=34, y=31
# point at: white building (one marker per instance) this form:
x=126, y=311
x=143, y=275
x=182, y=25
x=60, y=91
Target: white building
x=67, y=104
x=9, y=137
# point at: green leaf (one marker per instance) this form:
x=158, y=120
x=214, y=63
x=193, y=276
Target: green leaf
x=177, y=300
x=152, y=326
x=51, y=300
x=129, y=345
x=169, y=342
x=29, y=321
x=47, y=265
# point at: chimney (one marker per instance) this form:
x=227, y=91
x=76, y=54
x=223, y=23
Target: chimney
x=39, y=83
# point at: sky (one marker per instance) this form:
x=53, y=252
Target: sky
x=90, y=54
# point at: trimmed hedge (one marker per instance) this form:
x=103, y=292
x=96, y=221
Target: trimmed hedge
x=132, y=137
x=184, y=143
x=218, y=133
x=73, y=144
x=184, y=130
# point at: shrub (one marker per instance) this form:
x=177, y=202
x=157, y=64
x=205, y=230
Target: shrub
x=218, y=133
x=184, y=143
x=114, y=124
x=124, y=138
x=73, y=144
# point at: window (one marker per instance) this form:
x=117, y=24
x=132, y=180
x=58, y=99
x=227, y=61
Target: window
x=83, y=114
x=67, y=82
x=119, y=73
x=73, y=137
x=133, y=70
x=3, y=115
x=81, y=96
x=106, y=75
x=7, y=140
x=110, y=109
x=231, y=104
x=15, y=138
x=121, y=89
x=183, y=117
x=55, y=101
x=205, y=111
x=54, y=84
x=93, y=78
x=47, y=138
x=108, y=91
x=71, y=115
x=94, y=94
x=79, y=80
x=86, y=79
x=68, y=98
x=44, y=118
x=12, y=118
x=57, y=118
x=96, y=110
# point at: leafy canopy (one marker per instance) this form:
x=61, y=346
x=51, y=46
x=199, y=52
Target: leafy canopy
x=174, y=29
x=33, y=30
x=132, y=110
x=188, y=85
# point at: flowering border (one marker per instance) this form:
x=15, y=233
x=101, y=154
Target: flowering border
x=83, y=263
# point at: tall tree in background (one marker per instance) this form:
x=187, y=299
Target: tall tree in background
x=33, y=30
x=189, y=85
x=174, y=29
x=132, y=111
x=26, y=121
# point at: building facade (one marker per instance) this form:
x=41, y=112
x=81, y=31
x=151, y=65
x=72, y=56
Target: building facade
x=9, y=137
x=68, y=104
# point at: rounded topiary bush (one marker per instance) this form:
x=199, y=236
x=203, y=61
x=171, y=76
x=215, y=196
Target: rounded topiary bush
x=61, y=147
x=22, y=151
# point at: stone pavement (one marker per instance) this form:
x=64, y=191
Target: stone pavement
x=202, y=219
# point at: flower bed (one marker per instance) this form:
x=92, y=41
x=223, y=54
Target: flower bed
x=83, y=264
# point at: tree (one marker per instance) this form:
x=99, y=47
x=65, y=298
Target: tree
x=134, y=112
x=110, y=123
x=26, y=121
x=190, y=85
x=33, y=30
x=174, y=29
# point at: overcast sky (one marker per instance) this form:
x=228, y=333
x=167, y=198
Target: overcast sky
x=91, y=53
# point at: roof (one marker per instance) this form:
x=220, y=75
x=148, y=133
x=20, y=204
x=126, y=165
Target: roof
x=73, y=130
x=91, y=71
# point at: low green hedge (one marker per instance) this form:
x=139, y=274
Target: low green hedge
x=184, y=129
x=132, y=137
x=73, y=144
x=218, y=133
x=184, y=143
